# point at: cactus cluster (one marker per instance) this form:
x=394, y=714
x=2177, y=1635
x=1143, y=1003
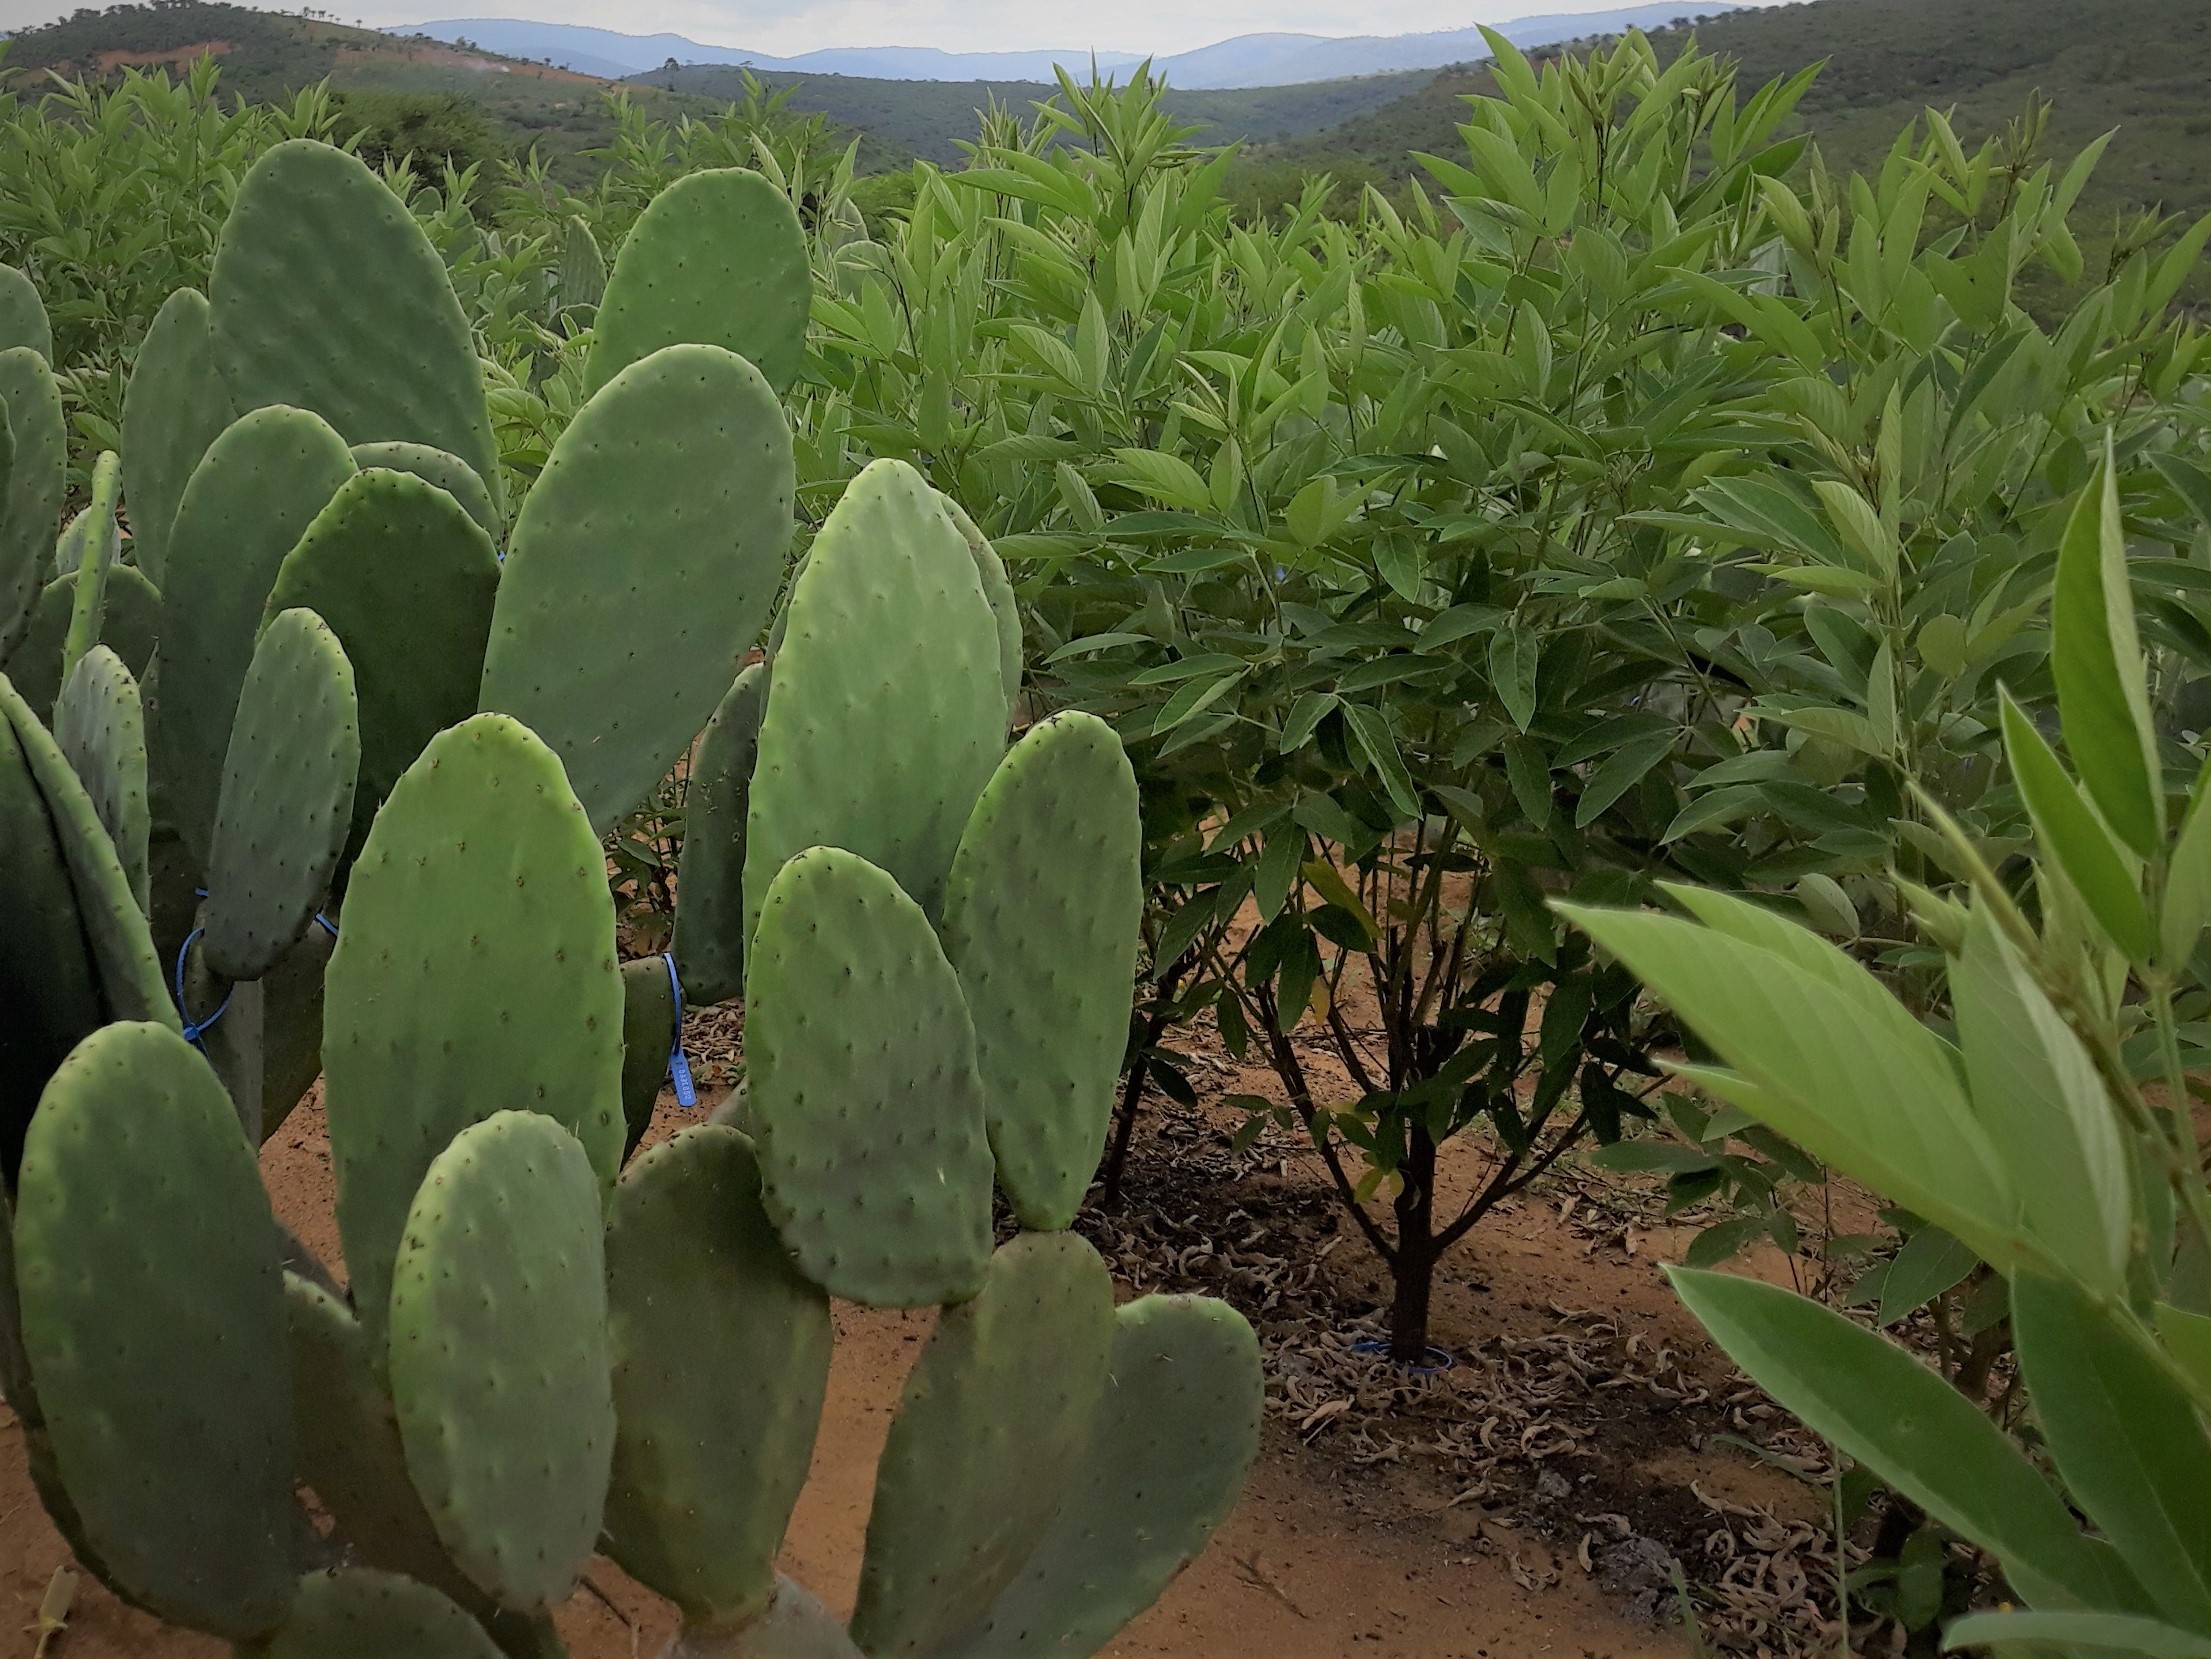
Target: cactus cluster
x=363, y=709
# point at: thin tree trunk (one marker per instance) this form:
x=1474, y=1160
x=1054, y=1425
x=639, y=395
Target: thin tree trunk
x=1132, y=1088
x=1414, y=1270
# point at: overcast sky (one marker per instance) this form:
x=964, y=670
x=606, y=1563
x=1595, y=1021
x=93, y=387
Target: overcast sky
x=783, y=27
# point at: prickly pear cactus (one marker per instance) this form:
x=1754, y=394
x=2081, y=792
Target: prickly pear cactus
x=508, y=1434
x=37, y=477
x=153, y=1316
x=889, y=712
x=1040, y=921
x=287, y=796
x=253, y=495
x=434, y=466
x=406, y=580
x=716, y=259
x=174, y=407
x=364, y=1614
x=641, y=570
x=709, y=943
x=474, y=972
x=23, y=320
x=100, y=725
x=996, y=1416
x=721, y=1361
x=131, y=618
x=860, y=1071
x=326, y=295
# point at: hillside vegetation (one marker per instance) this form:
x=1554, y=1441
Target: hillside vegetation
x=931, y=118
x=2136, y=68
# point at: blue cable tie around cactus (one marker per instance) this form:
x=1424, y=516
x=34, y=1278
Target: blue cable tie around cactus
x=679, y=1063
x=194, y=1030
x=328, y=926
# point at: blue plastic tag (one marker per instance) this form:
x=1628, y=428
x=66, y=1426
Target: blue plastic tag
x=679, y=1068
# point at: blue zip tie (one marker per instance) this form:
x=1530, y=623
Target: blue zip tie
x=194, y=1030
x=328, y=926
x=1436, y=1359
x=679, y=1064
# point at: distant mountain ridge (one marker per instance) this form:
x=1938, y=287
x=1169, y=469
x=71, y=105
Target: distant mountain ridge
x=1251, y=60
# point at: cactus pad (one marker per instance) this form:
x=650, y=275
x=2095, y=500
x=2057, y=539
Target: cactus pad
x=434, y=466
x=721, y=1360
x=1174, y=1437
x=23, y=314
x=350, y=1453
x=717, y=258
x=132, y=616
x=37, y=482
x=405, y=579
x=889, y=712
x=709, y=944
x=175, y=406
x=498, y=1356
x=475, y=972
x=291, y=1026
x=991, y=1430
x=641, y=569
x=98, y=540
x=364, y=1614
x=47, y=974
x=1005, y=608
x=648, y=1034
x=1040, y=919
x=862, y=1088
x=246, y=505
x=328, y=296
x=131, y=985
x=287, y=796
x=171, y=1427
x=100, y=727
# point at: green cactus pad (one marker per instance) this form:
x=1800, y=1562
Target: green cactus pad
x=648, y=1034
x=1175, y=1435
x=991, y=1430
x=364, y=1614
x=15, y=1364
x=132, y=615
x=100, y=538
x=717, y=259
x=1040, y=919
x=861, y=1084
x=48, y=977
x=23, y=315
x=175, y=406
x=641, y=569
x=37, y=483
x=405, y=579
x=350, y=1454
x=291, y=1026
x=475, y=972
x=153, y=1313
x=131, y=986
x=287, y=798
x=889, y=711
x=1005, y=608
x=245, y=507
x=498, y=1356
x=100, y=727
x=721, y=1360
x=434, y=466
x=709, y=944
x=328, y=296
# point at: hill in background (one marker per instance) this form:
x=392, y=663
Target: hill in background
x=1250, y=60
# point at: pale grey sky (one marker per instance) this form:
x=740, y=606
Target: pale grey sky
x=783, y=27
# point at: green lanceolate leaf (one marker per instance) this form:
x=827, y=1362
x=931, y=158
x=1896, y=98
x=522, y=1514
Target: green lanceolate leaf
x=2102, y=695
x=2072, y=834
x=1914, y=1430
x=2124, y=1436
